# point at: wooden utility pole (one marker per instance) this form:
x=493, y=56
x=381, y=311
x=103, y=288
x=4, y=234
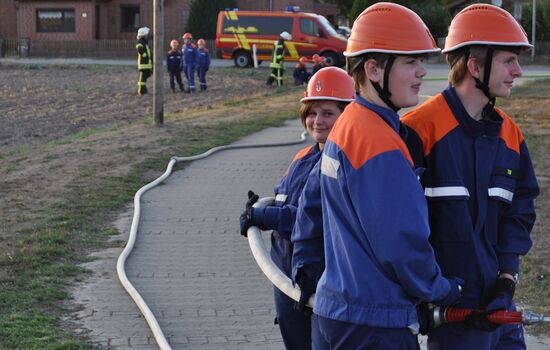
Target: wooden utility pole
x=158, y=59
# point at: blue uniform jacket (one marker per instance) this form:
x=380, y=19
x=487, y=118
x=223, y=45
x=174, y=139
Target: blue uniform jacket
x=173, y=61
x=379, y=262
x=203, y=58
x=480, y=185
x=281, y=216
x=189, y=54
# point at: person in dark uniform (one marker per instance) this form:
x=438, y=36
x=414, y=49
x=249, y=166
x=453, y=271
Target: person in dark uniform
x=276, y=65
x=173, y=65
x=203, y=62
x=300, y=74
x=144, y=59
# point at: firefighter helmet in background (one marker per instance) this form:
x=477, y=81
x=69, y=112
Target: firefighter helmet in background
x=201, y=42
x=484, y=24
x=315, y=57
x=286, y=35
x=330, y=83
x=389, y=28
x=187, y=36
x=143, y=31
x=303, y=60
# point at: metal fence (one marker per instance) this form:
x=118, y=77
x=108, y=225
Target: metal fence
x=25, y=47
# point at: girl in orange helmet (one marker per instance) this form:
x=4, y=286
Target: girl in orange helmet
x=328, y=92
x=479, y=179
x=378, y=262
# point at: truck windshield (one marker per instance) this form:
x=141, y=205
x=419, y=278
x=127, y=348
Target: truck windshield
x=326, y=25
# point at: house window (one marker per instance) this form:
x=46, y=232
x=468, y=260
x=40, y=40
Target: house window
x=129, y=18
x=51, y=20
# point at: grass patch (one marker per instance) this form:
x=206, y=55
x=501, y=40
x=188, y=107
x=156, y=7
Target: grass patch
x=37, y=268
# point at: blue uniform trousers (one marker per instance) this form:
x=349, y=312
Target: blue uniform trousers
x=459, y=336
x=201, y=71
x=190, y=75
x=295, y=325
x=348, y=336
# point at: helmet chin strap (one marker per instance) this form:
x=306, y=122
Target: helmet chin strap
x=484, y=85
x=385, y=93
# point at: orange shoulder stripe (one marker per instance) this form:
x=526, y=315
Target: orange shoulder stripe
x=299, y=155
x=432, y=120
x=509, y=132
x=362, y=134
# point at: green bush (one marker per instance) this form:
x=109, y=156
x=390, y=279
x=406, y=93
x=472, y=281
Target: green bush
x=203, y=17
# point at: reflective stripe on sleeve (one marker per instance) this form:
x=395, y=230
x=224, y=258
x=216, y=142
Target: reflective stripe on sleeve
x=329, y=166
x=502, y=193
x=448, y=191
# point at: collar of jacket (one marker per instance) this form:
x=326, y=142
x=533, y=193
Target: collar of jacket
x=388, y=115
x=489, y=126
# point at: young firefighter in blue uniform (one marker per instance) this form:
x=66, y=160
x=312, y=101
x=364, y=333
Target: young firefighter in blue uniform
x=300, y=74
x=276, y=65
x=173, y=65
x=479, y=180
x=144, y=59
x=189, y=51
x=379, y=262
x=203, y=62
x=328, y=92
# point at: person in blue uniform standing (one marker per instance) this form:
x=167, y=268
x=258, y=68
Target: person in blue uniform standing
x=479, y=179
x=189, y=51
x=328, y=92
x=173, y=65
x=203, y=63
x=378, y=261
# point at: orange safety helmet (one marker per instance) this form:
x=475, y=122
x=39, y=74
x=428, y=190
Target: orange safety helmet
x=303, y=60
x=187, y=36
x=201, y=42
x=484, y=24
x=330, y=83
x=315, y=57
x=389, y=28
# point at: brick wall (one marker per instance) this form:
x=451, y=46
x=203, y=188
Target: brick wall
x=8, y=22
x=84, y=20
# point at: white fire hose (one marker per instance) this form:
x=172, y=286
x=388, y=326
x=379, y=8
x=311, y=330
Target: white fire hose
x=266, y=264
x=121, y=272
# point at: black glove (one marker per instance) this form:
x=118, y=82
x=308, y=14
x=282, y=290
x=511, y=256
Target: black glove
x=501, y=295
x=500, y=299
x=246, y=216
x=479, y=320
x=307, y=287
x=425, y=317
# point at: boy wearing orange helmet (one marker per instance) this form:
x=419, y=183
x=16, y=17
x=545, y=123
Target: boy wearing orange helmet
x=378, y=262
x=300, y=74
x=479, y=179
x=328, y=92
x=318, y=63
x=173, y=65
x=189, y=51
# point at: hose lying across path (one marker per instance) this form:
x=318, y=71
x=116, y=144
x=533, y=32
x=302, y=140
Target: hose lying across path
x=134, y=294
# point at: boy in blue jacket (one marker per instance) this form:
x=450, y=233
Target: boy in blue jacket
x=203, y=62
x=379, y=263
x=189, y=51
x=479, y=179
x=173, y=65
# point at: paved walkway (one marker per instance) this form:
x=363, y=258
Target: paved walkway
x=190, y=264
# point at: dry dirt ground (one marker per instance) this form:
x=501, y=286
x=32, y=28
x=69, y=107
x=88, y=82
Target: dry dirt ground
x=40, y=106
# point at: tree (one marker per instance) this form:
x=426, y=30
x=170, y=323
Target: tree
x=433, y=12
x=543, y=20
x=343, y=5
x=203, y=17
